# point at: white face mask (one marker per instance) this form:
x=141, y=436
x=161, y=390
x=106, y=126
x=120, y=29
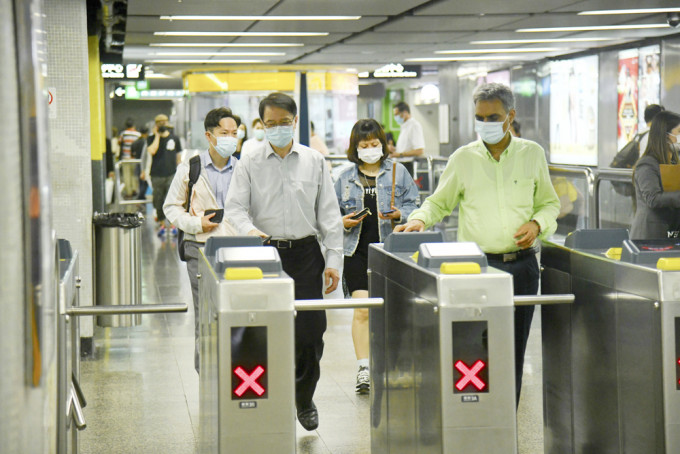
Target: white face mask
x=226, y=146
x=240, y=134
x=370, y=155
x=259, y=134
x=491, y=132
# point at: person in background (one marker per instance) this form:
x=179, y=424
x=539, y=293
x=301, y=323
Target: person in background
x=129, y=176
x=650, y=112
x=258, y=137
x=165, y=150
x=138, y=150
x=411, y=141
x=658, y=211
x=209, y=192
x=316, y=142
x=368, y=184
x=242, y=136
x=506, y=201
x=115, y=145
x=283, y=192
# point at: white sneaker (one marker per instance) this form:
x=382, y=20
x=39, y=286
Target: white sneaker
x=363, y=381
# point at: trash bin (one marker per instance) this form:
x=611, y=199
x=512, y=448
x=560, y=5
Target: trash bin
x=118, y=265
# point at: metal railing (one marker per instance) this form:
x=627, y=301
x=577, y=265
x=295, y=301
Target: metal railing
x=611, y=175
x=587, y=174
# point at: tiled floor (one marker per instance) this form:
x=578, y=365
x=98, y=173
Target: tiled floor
x=142, y=389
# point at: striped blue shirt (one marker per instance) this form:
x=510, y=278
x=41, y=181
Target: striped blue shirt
x=219, y=179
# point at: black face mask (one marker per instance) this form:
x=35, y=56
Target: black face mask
x=162, y=129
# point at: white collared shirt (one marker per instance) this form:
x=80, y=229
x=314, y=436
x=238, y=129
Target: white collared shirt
x=289, y=198
x=410, y=136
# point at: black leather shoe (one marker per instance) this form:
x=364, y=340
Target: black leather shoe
x=309, y=417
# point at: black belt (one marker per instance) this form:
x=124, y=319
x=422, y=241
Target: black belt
x=290, y=244
x=512, y=256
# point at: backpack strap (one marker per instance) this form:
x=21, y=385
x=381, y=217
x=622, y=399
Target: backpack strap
x=194, y=173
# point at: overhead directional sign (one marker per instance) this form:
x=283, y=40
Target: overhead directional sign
x=128, y=71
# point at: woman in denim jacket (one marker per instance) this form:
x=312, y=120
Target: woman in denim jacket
x=368, y=184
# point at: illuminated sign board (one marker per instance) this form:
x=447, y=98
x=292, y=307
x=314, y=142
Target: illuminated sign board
x=249, y=367
x=393, y=71
x=129, y=71
x=470, y=350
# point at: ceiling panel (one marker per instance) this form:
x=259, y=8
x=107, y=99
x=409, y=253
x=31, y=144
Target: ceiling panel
x=572, y=20
x=146, y=38
x=452, y=7
x=366, y=50
x=450, y=23
x=200, y=7
x=344, y=26
x=373, y=38
x=153, y=24
x=344, y=7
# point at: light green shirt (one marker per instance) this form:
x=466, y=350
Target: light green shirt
x=495, y=197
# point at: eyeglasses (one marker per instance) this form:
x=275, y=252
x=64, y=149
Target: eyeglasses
x=271, y=124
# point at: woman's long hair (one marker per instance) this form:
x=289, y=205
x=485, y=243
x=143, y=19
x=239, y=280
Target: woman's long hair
x=659, y=145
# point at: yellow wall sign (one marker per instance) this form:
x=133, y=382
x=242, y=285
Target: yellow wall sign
x=211, y=82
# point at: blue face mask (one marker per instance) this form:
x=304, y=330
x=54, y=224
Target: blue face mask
x=280, y=136
x=226, y=146
x=399, y=120
x=491, y=132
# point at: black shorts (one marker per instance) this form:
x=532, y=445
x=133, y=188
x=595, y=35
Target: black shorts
x=355, y=271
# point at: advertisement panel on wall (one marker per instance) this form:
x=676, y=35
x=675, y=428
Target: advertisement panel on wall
x=627, y=89
x=649, y=81
x=573, y=111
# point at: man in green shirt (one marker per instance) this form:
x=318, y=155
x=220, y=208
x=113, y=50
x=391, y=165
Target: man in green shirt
x=507, y=202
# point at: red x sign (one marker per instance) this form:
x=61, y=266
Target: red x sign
x=249, y=381
x=470, y=375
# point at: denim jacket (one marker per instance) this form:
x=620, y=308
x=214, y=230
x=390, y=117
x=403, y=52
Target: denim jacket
x=350, y=194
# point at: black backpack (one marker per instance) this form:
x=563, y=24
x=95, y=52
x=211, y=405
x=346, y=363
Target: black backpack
x=194, y=173
x=626, y=159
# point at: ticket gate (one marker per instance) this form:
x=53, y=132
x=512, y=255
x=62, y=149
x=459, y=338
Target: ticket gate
x=442, y=348
x=247, y=360
x=611, y=365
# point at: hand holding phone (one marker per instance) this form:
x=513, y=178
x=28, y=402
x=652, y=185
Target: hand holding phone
x=385, y=213
x=361, y=214
x=219, y=215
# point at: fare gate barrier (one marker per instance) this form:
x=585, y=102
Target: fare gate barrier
x=70, y=398
x=611, y=361
x=247, y=359
x=442, y=361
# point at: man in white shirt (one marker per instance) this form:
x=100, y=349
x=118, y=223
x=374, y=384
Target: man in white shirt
x=411, y=141
x=283, y=191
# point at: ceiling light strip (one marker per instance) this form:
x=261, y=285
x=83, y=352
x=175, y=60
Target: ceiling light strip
x=226, y=45
x=487, y=58
x=220, y=54
x=499, y=51
x=205, y=61
x=260, y=18
x=592, y=28
x=538, y=41
x=606, y=12
x=241, y=34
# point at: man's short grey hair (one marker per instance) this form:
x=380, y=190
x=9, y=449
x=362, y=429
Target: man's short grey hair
x=489, y=92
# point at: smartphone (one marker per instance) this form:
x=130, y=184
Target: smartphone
x=219, y=215
x=388, y=212
x=361, y=214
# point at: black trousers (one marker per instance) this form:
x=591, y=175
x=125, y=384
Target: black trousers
x=525, y=276
x=305, y=264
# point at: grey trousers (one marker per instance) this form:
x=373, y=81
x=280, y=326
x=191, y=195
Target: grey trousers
x=191, y=254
